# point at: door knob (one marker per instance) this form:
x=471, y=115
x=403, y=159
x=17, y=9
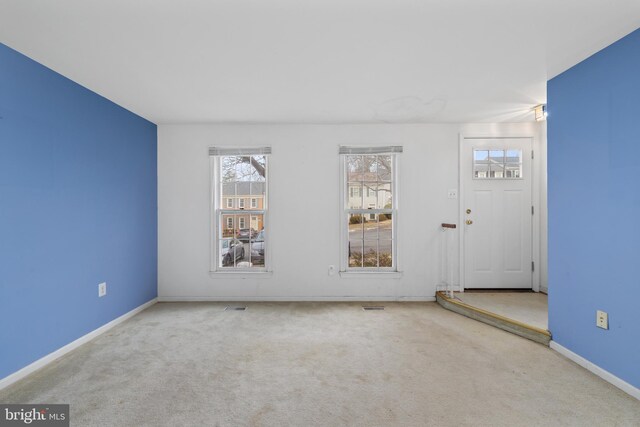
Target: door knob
x=469, y=222
x=468, y=211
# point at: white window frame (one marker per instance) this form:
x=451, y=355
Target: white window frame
x=217, y=211
x=345, y=209
x=254, y=203
x=241, y=203
x=227, y=224
x=230, y=202
x=242, y=223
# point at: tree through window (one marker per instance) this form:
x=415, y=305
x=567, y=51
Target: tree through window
x=240, y=226
x=370, y=209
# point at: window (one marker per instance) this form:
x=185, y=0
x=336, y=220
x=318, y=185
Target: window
x=239, y=242
x=254, y=203
x=497, y=164
x=369, y=208
x=372, y=216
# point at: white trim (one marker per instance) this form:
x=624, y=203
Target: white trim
x=605, y=375
x=370, y=274
x=299, y=299
x=42, y=362
x=235, y=273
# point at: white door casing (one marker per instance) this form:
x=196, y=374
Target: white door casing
x=497, y=231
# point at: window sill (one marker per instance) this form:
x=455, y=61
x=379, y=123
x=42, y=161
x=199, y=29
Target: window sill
x=371, y=274
x=241, y=274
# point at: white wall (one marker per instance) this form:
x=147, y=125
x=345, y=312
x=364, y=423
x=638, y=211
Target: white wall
x=305, y=209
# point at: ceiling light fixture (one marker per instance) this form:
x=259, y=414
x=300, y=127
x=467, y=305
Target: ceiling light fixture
x=540, y=112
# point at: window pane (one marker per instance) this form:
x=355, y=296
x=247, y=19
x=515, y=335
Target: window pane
x=481, y=163
x=229, y=225
x=497, y=170
x=231, y=252
x=384, y=168
x=356, y=229
x=242, y=242
x=257, y=246
x=385, y=253
x=496, y=163
x=354, y=194
x=384, y=196
x=514, y=156
x=355, y=252
x=356, y=226
x=370, y=250
x=242, y=175
x=259, y=164
x=245, y=168
x=513, y=165
x=355, y=168
x=496, y=157
x=370, y=166
x=513, y=170
x=370, y=238
x=258, y=189
x=228, y=189
x=384, y=227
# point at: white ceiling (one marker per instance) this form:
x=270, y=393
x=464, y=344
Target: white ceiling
x=316, y=61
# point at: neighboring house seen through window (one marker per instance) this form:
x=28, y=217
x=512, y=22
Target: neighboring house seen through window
x=370, y=208
x=240, y=242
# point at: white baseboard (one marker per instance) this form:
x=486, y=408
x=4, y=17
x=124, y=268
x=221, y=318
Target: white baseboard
x=293, y=299
x=605, y=375
x=544, y=290
x=40, y=363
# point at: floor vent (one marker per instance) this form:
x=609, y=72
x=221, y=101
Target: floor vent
x=230, y=308
x=372, y=307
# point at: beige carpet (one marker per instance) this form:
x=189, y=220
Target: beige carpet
x=320, y=364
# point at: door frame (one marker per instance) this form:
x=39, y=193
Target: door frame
x=535, y=201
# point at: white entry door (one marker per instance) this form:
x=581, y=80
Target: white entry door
x=497, y=212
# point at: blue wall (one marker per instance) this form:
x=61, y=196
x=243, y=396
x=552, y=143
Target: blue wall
x=594, y=207
x=77, y=207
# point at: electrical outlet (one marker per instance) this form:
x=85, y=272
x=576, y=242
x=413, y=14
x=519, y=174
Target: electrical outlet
x=452, y=193
x=332, y=270
x=602, y=320
x=102, y=289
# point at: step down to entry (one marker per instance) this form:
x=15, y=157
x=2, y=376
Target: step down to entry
x=541, y=336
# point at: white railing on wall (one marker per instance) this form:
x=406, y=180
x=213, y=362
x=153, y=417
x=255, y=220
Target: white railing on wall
x=446, y=258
